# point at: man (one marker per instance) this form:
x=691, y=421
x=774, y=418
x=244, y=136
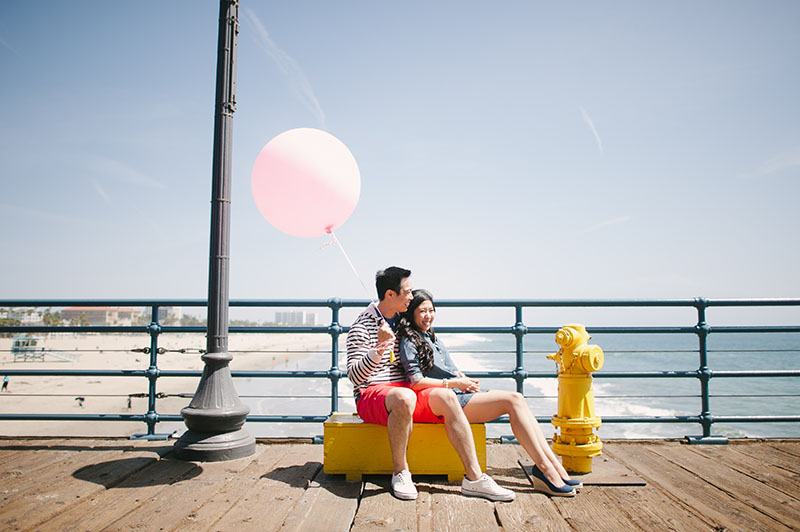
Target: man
x=379, y=381
x=383, y=395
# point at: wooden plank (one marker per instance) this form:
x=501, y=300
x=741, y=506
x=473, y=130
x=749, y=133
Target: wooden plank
x=380, y=510
x=167, y=508
x=69, y=483
x=788, y=447
x=209, y=512
x=11, y=449
x=761, y=497
x=277, y=490
x=329, y=503
x=715, y=507
x=530, y=511
x=69, y=459
x=634, y=507
x=644, y=508
x=770, y=454
x=587, y=511
x=59, y=471
x=100, y=510
x=425, y=511
x=453, y=511
x=23, y=463
x=736, y=458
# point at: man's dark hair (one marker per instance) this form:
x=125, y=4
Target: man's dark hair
x=390, y=279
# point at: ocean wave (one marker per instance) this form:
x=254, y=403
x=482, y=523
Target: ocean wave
x=460, y=340
x=468, y=362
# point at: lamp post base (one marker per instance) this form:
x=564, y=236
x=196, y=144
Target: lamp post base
x=216, y=447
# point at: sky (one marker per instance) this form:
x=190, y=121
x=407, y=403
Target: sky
x=511, y=150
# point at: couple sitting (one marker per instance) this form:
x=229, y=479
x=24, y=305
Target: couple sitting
x=401, y=373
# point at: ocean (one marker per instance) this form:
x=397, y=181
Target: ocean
x=755, y=396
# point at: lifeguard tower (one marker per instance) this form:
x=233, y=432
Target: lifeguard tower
x=26, y=348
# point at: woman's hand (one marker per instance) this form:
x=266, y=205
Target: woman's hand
x=465, y=384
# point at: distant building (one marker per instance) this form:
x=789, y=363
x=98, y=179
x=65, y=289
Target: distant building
x=296, y=318
x=32, y=318
x=169, y=313
x=26, y=316
x=102, y=315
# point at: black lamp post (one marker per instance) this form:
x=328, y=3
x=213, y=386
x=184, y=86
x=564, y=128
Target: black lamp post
x=216, y=415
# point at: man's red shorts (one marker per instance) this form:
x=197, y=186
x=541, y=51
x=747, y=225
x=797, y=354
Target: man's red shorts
x=371, y=406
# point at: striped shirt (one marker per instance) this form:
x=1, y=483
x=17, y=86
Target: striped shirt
x=365, y=366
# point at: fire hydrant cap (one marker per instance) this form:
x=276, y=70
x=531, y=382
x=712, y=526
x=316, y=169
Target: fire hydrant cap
x=592, y=359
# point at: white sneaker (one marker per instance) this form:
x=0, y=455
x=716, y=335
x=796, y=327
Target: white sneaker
x=403, y=486
x=487, y=488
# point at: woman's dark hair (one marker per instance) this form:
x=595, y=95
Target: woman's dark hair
x=408, y=329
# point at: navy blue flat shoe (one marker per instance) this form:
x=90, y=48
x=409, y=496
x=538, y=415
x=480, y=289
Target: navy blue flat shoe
x=540, y=483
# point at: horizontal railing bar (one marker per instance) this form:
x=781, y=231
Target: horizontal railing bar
x=754, y=329
x=756, y=373
x=756, y=419
x=695, y=302
x=340, y=374
x=286, y=419
x=78, y=417
x=194, y=350
x=144, y=329
x=554, y=329
x=654, y=419
x=754, y=351
x=324, y=374
x=322, y=418
x=79, y=372
x=190, y=395
x=696, y=373
x=135, y=395
x=141, y=329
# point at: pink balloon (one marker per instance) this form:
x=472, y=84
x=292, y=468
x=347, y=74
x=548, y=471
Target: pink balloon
x=306, y=182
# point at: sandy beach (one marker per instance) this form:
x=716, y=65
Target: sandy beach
x=127, y=395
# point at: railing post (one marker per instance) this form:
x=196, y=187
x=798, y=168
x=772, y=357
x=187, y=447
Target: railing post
x=151, y=417
x=704, y=375
x=520, y=330
x=334, y=374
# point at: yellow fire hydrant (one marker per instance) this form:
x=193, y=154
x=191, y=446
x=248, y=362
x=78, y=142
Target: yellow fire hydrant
x=575, y=363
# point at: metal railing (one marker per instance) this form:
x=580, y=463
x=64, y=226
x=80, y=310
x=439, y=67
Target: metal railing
x=519, y=330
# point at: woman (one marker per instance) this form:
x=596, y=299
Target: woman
x=429, y=367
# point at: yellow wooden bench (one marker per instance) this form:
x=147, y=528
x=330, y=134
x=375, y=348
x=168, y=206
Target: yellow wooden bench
x=355, y=448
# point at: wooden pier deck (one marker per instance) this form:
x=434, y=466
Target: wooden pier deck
x=80, y=484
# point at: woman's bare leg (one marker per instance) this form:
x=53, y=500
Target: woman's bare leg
x=550, y=454
x=444, y=403
x=489, y=405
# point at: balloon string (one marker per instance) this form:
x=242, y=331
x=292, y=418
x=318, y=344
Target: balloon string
x=389, y=343
x=352, y=267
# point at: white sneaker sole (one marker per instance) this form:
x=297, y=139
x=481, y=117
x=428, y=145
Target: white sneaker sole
x=496, y=498
x=405, y=496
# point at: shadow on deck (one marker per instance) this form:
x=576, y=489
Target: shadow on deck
x=50, y=484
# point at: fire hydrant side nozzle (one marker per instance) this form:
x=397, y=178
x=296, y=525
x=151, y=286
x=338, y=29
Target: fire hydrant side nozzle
x=575, y=362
